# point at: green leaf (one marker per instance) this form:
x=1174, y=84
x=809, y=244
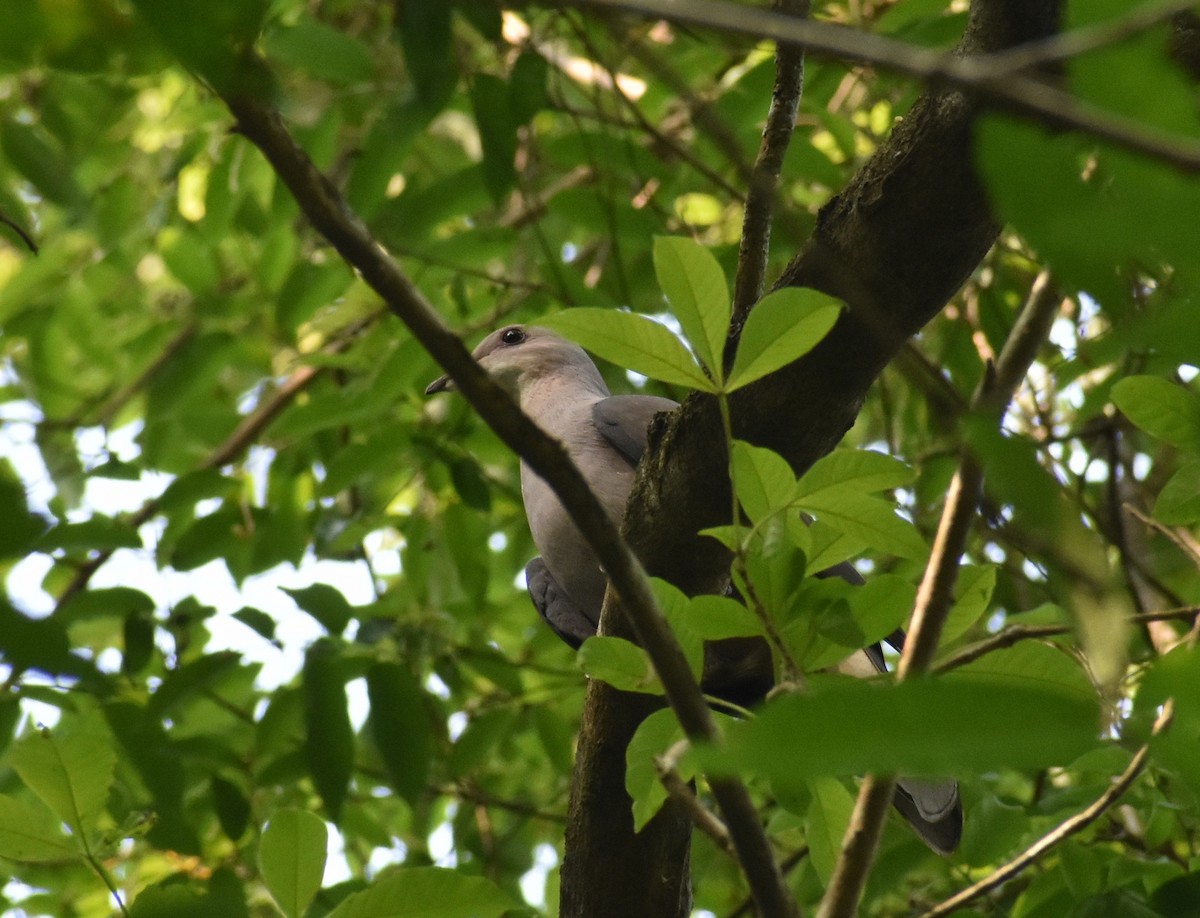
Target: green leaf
x=329, y=736
x=632, y=341
x=620, y=663
x=696, y=288
x=291, y=857
x=762, y=479
x=426, y=892
x=29, y=834
x=1178, y=503
x=973, y=593
x=321, y=52
x=675, y=606
x=784, y=326
x=950, y=726
x=825, y=823
x=527, y=94
x=1162, y=409
x=324, y=603
x=400, y=727
x=20, y=526
x=877, y=608
x=497, y=133
x=862, y=469
x=232, y=808
x=654, y=736
x=715, y=618
x=428, y=43
x=70, y=769
x=871, y=520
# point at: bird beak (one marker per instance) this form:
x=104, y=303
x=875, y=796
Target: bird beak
x=441, y=384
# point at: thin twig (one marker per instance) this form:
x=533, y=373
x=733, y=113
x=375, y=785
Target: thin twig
x=1018, y=631
x=980, y=75
x=1063, y=831
x=935, y=595
x=1178, y=540
x=20, y=231
x=1078, y=42
x=677, y=789
x=233, y=446
x=764, y=180
x=330, y=214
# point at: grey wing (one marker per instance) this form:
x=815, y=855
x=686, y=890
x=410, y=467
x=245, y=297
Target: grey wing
x=566, y=619
x=623, y=420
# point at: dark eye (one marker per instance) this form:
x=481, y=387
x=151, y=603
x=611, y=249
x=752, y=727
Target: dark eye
x=512, y=336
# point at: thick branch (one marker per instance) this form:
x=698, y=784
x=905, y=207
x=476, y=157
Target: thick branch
x=895, y=245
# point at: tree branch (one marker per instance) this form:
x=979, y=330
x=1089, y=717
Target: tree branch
x=1018, y=631
x=935, y=596
x=992, y=80
x=331, y=216
x=1063, y=831
x=764, y=180
x=233, y=446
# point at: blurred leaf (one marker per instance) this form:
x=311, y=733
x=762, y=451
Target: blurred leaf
x=20, y=527
x=948, y=726
x=1178, y=503
x=324, y=603
x=400, y=727
x=497, y=133
x=70, y=769
x=1162, y=409
x=527, y=93
x=291, y=857
x=232, y=808
x=972, y=595
x=328, y=735
x=427, y=892
x=321, y=51
x=29, y=834
x=427, y=41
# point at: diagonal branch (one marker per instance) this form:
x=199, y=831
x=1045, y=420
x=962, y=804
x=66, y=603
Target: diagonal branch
x=990, y=79
x=233, y=446
x=935, y=595
x=329, y=213
x=1063, y=831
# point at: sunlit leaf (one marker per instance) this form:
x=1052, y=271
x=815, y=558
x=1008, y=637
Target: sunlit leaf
x=784, y=326
x=621, y=664
x=427, y=892
x=291, y=856
x=696, y=288
x=633, y=342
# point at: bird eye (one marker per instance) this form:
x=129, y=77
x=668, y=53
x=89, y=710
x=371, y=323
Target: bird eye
x=512, y=335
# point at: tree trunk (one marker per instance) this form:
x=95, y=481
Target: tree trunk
x=896, y=244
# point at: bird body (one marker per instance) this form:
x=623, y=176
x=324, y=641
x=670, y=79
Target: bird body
x=559, y=387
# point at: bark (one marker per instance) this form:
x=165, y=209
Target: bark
x=896, y=244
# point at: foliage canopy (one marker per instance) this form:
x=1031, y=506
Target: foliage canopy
x=260, y=592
